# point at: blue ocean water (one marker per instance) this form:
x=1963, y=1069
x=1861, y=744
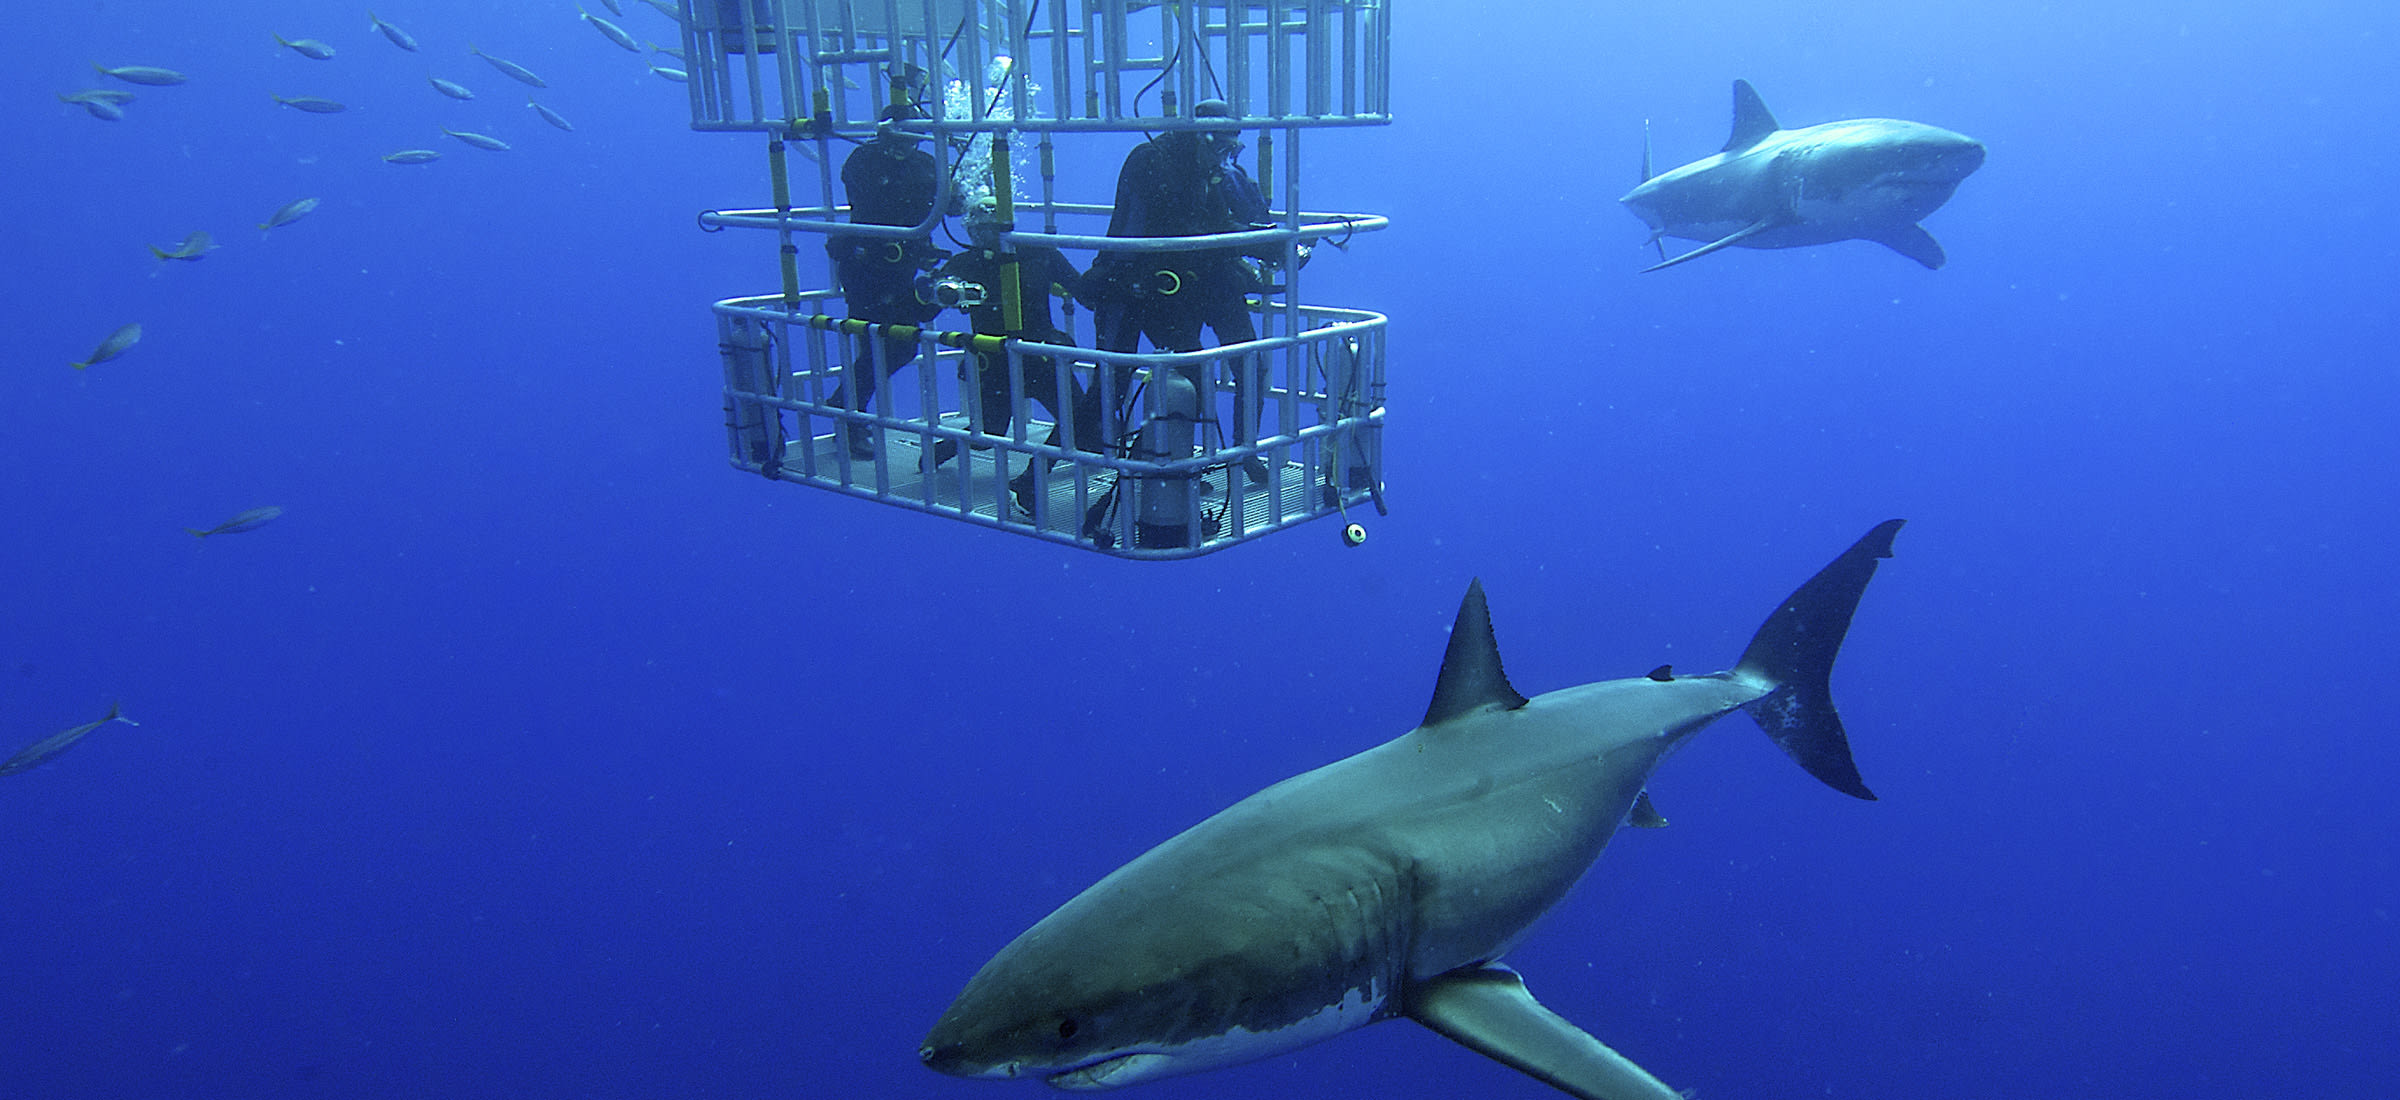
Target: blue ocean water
x=533, y=753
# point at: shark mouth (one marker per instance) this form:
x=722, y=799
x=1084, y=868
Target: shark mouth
x=1112, y=1072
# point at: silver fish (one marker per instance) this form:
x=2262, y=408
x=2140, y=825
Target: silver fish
x=613, y=7
x=33, y=755
x=454, y=91
x=666, y=8
x=671, y=51
x=398, y=37
x=311, y=104
x=513, y=70
x=676, y=75
x=480, y=141
x=412, y=156
x=550, y=116
x=309, y=48
x=97, y=95
x=608, y=30
x=142, y=74
x=288, y=213
x=115, y=345
x=194, y=246
x=103, y=110
x=250, y=520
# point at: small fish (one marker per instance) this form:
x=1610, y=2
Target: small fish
x=97, y=95
x=511, y=69
x=608, y=30
x=198, y=244
x=676, y=75
x=251, y=520
x=34, y=754
x=671, y=51
x=551, y=117
x=480, y=141
x=309, y=48
x=666, y=8
x=412, y=156
x=398, y=37
x=809, y=151
x=311, y=104
x=115, y=345
x=613, y=7
x=454, y=91
x=288, y=213
x=142, y=74
x=103, y=110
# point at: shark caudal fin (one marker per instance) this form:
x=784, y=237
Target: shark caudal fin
x=1791, y=659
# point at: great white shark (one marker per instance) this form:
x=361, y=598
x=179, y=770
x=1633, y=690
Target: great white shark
x=1865, y=179
x=1390, y=884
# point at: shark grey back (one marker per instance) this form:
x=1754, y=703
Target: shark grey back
x=1391, y=883
x=1870, y=179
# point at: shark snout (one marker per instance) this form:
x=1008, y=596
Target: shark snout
x=1943, y=155
x=1962, y=157
x=948, y=1058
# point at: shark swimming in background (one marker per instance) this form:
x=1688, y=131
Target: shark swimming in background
x=1390, y=884
x=1864, y=179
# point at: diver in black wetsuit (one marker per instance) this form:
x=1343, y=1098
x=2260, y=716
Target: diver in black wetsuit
x=1039, y=270
x=1183, y=183
x=890, y=181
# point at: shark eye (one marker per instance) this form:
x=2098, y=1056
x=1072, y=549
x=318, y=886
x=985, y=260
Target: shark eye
x=1066, y=1028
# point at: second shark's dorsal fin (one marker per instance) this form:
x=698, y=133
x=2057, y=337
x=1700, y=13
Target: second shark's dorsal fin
x=1751, y=120
x=1471, y=676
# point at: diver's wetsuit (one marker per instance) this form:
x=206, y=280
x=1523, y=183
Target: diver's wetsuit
x=1177, y=185
x=1038, y=269
x=889, y=182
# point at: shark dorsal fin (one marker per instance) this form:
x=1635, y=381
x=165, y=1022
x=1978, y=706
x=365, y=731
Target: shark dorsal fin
x=1751, y=120
x=1471, y=676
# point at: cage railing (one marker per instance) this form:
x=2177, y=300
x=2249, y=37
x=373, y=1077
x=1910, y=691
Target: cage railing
x=1168, y=479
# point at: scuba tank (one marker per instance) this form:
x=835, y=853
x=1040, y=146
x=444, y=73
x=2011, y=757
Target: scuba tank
x=1170, y=428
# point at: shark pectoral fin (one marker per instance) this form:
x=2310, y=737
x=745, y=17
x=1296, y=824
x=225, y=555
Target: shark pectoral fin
x=1727, y=241
x=1915, y=243
x=1487, y=1010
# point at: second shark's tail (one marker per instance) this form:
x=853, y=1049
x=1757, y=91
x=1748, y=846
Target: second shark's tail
x=1791, y=660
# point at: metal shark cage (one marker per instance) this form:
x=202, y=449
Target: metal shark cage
x=1007, y=84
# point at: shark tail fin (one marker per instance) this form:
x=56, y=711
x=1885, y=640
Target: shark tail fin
x=1791, y=661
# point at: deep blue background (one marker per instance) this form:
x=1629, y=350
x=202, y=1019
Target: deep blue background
x=534, y=754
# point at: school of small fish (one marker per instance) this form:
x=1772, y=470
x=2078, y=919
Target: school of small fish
x=110, y=104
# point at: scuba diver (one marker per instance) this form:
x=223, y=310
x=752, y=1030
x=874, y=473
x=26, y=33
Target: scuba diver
x=889, y=181
x=972, y=281
x=1182, y=183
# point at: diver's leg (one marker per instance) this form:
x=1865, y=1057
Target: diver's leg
x=1229, y=319
x=857, y=394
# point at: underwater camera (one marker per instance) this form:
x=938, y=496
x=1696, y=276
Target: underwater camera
x=950, y=292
